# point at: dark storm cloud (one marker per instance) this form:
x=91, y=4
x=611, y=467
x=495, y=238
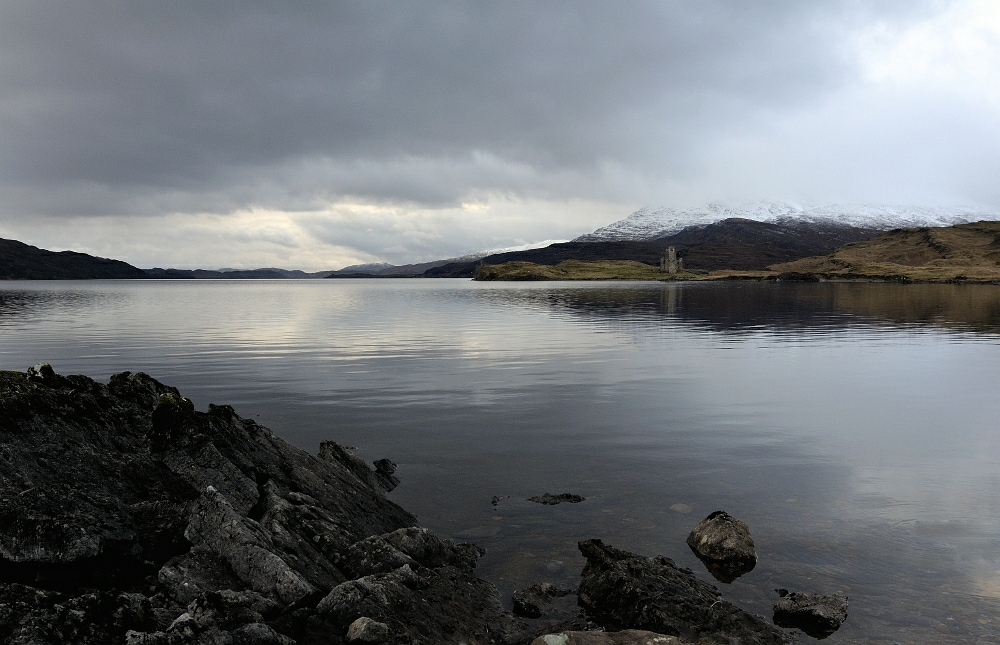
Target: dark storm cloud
x=143, y=107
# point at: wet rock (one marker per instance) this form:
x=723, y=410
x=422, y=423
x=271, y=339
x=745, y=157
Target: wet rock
x=622, y=590
x=530, y=602
x=624, y=637
x=815, y=614
x=551, y=500
x=724, y=545
x=385, y=471
x=366, y=630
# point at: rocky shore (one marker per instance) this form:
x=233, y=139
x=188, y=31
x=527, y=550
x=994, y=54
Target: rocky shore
x=126, y=516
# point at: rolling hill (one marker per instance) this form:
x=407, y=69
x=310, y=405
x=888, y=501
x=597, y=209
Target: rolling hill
x=967, y=252
x=20, y=261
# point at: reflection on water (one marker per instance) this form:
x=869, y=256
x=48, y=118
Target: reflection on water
x=852, y=426
x=735, y=307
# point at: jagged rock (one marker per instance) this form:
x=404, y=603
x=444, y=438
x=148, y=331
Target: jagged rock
x=219, y=617
x=624, y=637
x=126, y=516
x=622, y=590
x=724, y=545
x=422, y=606
x=815, y=614
x=259, y=634
x=188, y=576
x=385, y=470
x=245, y=547
x=550, y=500
x=366, y=630
x=530, y=602
x=375, y=555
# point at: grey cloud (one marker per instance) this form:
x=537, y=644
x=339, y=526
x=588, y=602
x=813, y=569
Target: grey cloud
x=148, y=108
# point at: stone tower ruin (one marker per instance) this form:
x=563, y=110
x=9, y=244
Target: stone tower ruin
x=670, y=263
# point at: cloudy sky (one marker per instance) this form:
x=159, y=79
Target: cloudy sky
x=316, y=135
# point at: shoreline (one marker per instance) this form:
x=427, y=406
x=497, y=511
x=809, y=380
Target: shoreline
x=130, y=517
x=577, y=270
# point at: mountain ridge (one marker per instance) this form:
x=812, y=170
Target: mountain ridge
x=733, y=243
x=649, y=223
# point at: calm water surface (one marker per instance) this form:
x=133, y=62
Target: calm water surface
x=854, y=427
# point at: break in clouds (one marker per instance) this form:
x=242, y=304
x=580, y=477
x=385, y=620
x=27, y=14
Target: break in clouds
x=314, y=135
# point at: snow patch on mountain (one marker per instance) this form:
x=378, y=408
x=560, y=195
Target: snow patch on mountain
x=651, y=223
x=469, y=257
x=371, y=267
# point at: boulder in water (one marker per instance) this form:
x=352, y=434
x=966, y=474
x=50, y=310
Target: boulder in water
x=622, y=590
x=724, y=544
x=816, y=614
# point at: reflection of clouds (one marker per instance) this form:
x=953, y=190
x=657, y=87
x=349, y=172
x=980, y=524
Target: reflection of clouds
x=883, y=433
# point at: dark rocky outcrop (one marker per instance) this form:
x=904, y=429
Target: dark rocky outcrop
x=623, y=590
x=531, y=602
x=724, y=544
x=815, y=614
x=126, y=516
x=551, y=500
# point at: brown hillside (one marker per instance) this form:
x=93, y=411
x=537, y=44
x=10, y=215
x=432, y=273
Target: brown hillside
x=964, y=252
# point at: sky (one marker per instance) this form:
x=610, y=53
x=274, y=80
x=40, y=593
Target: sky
x=315, y=135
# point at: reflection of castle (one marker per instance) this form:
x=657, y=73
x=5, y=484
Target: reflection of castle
x=670, y=263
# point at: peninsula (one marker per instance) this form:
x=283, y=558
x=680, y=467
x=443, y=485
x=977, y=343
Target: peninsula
x=960, y=253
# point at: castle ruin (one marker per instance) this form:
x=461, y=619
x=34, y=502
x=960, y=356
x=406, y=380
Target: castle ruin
x=670, y=263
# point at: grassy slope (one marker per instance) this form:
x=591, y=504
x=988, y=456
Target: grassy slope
x=966, y=252
x=573, y=270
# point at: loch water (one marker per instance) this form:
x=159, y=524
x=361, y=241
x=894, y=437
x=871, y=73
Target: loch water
x=854, y=427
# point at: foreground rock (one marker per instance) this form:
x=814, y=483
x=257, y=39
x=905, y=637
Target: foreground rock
x=622, y=590
x=624, y=637
x=128, y=517
x=815, y=614
x=551, y=500
x=724, y=544
x=531, y=602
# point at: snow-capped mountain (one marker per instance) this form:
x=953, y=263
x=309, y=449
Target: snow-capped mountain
x=650, y=223
x=469, y=257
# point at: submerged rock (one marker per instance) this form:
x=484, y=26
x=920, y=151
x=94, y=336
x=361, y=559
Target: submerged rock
x=126, y=516
x=551, y=500
x=622, y=590
x=530, y=602
x=815, y=614
x=724, y=545
x=624, y=637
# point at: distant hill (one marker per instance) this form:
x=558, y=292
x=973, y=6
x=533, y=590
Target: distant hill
x=967, y=252
x=653, y=223
x=745, y=245
x=20, y=261
x=734, y=243
x=384, y=270
x=232, y=274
